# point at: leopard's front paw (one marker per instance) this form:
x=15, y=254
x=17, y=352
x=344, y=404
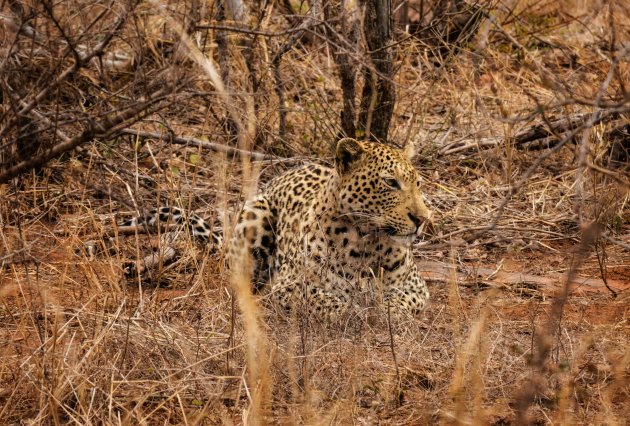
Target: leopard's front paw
x=324, y=305
x=404, y=304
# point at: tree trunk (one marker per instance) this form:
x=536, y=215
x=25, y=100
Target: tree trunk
x=378, y=97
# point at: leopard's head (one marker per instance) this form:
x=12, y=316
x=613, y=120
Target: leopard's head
x=379, y=189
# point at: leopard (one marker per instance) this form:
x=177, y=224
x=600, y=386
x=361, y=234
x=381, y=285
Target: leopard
x=315, y=230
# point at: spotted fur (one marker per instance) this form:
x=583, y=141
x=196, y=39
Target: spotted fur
x=315, y=229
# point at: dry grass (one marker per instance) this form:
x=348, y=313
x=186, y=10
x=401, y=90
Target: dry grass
x=79, y=343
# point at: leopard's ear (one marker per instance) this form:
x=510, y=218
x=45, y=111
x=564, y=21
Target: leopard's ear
x=410, y=150
x=349, y=152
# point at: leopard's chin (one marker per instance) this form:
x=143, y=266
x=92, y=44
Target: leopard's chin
x=405, y=240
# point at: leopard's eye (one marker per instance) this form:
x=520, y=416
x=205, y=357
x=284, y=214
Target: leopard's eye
x=392, y=183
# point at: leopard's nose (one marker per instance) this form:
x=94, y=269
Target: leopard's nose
x=415, y=219
x=419, y=221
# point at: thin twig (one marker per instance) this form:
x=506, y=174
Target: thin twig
x=601, y=262
x=250, y=30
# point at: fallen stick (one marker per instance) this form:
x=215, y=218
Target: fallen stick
x=544, y=132
x=468, y=275
x=189, y=141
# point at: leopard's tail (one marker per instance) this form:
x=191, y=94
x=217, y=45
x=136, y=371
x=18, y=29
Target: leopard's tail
x=198, y=227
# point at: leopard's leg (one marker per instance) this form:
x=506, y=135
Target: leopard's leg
x=324, y=294
x=406, y=293
x=254, y=239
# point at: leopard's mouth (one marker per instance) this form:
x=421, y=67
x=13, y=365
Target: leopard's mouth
x=405, y=239
x=393, y=232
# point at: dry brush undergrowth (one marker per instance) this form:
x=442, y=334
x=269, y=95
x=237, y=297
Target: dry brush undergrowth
x=161, y=101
